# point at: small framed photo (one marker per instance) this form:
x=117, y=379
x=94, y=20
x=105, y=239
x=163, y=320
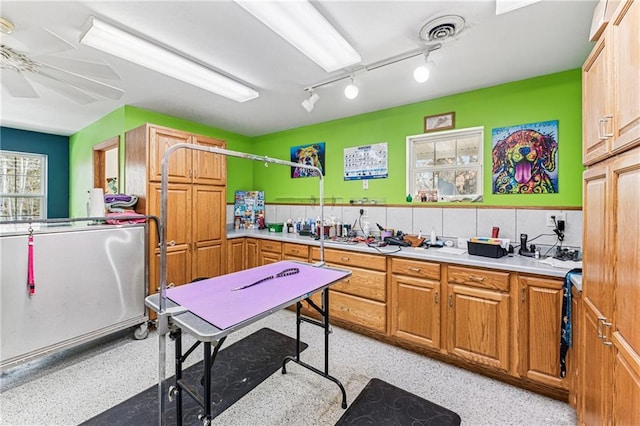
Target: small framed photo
x=439, y=122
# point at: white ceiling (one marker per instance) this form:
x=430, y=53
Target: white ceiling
x=538, y=39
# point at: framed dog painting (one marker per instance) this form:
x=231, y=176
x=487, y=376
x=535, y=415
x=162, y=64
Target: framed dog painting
x=310, y=155
x=525, y=158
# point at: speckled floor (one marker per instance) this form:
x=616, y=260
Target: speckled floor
x=72, y=387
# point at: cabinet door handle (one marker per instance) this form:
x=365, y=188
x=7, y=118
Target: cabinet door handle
x=474, y=278
x=607, y=119
x=604, y=335
x=524, y=294
x=411, y=268
x=598, y=332
x=436, y=298
x=451, y=300
x=600, y=131
x=345, y=259
x=171, y=243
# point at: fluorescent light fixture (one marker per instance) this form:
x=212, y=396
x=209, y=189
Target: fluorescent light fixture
x=112, y=40
x=299, y=23
x=310, y=103
x=504, y=6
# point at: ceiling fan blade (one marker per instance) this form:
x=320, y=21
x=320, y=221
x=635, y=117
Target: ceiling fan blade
x=16, y=84
x=86, y=68
x=42, y=41
x=81, y=82
x=63, y=88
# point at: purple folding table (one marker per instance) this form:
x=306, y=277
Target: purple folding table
x=212, y=309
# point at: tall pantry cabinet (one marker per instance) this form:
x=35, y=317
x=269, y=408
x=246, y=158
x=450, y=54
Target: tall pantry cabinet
x=196, y=206
x=610, y=360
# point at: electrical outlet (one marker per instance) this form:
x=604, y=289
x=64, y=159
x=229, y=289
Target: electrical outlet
x=557, y=215
x=365, y=184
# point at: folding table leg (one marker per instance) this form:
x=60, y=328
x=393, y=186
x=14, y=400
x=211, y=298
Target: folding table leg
x=325, y=325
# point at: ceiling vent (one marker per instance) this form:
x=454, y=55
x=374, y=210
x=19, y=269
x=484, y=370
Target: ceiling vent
x=442, y=29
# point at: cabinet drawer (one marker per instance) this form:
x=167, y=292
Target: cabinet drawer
x=416, y=269
x=359, y=311
x=272, y=246
x=296, y=250
x=368, y=284
x=350, y=258
x=492, y=280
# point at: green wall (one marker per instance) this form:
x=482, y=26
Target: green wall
x=552, y=97
x=81, y=158
x=127, y=118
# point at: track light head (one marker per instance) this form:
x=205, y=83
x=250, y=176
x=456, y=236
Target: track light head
x=351, y=91
x=421, y=73
x=309, y=103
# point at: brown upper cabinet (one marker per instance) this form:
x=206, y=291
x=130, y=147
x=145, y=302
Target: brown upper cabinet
x=196, y=201
x=185, y=166
x=611, y=87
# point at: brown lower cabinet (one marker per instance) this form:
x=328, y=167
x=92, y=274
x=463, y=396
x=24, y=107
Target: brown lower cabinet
x=495, y=322
x=415, y=302
x=361, y=299
x=541, y=298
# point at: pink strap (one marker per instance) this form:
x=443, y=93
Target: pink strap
x=30, y=278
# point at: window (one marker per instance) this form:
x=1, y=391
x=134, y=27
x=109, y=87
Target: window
x=23, y=186
x=445, y=166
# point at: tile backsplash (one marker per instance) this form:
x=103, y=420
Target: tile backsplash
x=448, y=223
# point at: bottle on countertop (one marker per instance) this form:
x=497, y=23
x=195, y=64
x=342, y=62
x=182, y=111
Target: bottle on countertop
x=433, y=239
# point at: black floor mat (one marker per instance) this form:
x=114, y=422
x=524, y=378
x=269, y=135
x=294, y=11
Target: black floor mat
x=381, y=403
x=236, y=371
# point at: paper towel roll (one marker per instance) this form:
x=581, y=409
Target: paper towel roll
x=96, y=202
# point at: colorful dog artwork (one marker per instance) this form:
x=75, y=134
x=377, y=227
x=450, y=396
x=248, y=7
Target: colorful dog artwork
x=310, y=155
x=525, y=159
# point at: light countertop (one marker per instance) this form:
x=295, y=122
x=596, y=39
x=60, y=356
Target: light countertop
x=514, y=263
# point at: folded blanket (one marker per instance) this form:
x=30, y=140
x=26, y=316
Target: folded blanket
x=125, y=217
x=112, y=198
x=117, y=202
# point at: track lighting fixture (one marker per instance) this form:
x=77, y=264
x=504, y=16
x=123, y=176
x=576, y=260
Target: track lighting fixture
x=351, y=91
x=421, y=73
x=309, y=103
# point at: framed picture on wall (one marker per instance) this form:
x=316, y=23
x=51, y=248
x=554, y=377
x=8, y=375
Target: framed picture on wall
x=309, y=155
x=437, y=122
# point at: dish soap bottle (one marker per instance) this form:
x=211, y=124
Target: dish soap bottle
x=433, y=239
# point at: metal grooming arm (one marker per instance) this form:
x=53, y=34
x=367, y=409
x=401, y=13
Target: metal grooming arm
x=163, y=314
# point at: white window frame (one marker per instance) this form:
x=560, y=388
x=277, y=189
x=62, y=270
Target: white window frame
x=43, y=196
x=443, y=136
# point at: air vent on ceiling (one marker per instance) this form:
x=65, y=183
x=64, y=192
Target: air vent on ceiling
x=441, y=29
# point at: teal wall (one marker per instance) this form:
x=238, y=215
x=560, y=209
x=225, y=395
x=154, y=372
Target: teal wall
x=552, y=97
x=56, y=148
x=126, y=118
